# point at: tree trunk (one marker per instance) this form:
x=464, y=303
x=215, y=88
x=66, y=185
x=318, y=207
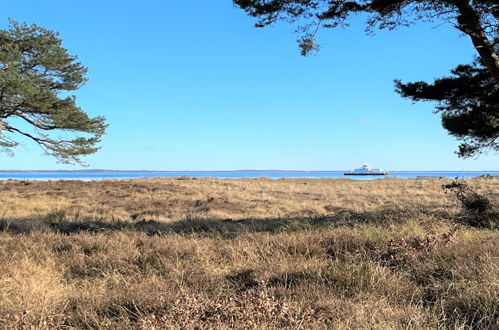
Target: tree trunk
x=487, y=54
x=469, y=23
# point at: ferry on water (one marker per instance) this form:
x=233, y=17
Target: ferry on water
x=367, y=170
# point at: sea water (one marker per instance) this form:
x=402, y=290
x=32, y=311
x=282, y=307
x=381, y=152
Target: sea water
x=106, y=174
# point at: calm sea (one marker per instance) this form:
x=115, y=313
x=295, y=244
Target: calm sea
x=100, y=174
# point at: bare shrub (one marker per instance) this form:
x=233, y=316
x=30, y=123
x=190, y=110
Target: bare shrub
x=478, y=209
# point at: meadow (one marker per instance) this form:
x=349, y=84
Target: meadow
x=247, y=253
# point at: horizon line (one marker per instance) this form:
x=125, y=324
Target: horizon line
x=240, y=170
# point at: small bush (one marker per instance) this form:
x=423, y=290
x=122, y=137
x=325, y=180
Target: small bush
x=478, y=209
x=243, y=280
x=56, y=216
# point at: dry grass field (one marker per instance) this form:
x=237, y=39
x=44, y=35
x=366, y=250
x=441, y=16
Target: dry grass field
x=246, y=253
x=206, y=198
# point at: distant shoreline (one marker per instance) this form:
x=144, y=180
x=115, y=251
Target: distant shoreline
x=231, y=171
x=54, y=175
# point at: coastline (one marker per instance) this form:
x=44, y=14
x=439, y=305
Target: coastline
x=239, y=174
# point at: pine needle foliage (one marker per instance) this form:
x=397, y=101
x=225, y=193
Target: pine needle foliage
x=37, y=76
x=468, y=100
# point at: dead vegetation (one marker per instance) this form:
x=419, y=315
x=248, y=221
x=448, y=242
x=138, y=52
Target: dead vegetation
x=212, y=253
x=172, y=199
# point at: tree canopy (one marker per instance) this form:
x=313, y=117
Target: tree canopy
x=469, y=103
x=36, y=76
x=468, y=100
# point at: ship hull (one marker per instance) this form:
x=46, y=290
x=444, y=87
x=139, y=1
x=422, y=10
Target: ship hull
x=365, y=173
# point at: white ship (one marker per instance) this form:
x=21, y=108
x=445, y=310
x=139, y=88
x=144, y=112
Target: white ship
x=367, y=170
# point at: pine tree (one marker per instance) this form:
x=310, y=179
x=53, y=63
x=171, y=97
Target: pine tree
x=468, y=100
x=36, y=76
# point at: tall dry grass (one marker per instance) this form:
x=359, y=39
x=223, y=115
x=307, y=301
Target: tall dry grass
x=170, y=199
x=404, y=263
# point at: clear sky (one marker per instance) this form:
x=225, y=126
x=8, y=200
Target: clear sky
x=192, y=85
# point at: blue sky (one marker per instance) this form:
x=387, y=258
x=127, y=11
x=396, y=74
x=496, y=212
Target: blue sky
x=192, y=85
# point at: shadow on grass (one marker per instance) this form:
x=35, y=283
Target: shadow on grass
x=58, y=223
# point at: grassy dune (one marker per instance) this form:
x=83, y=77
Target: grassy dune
x=245, y=253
